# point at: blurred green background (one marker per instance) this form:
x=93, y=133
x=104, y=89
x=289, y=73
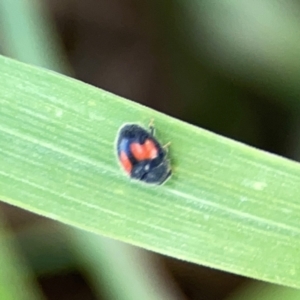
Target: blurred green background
x=229, y=66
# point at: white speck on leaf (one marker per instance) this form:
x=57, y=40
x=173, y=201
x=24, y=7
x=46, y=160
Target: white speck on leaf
x=58, y=113
x=243, y=199
x=256, y=185
x=259, y=186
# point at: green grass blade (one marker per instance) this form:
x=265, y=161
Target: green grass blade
x=28, y=35
x=16, y=279
x=43, y=50
x=107, y=262
x=227, y=205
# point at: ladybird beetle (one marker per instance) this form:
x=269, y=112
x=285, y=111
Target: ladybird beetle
x=141, y=155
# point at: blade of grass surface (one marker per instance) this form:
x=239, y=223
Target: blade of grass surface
x=16, y=279
x=43, y=50
x=227, y=205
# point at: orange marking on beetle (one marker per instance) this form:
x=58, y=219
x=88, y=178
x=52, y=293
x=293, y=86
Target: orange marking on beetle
x=145, y=151
x=125, y=162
